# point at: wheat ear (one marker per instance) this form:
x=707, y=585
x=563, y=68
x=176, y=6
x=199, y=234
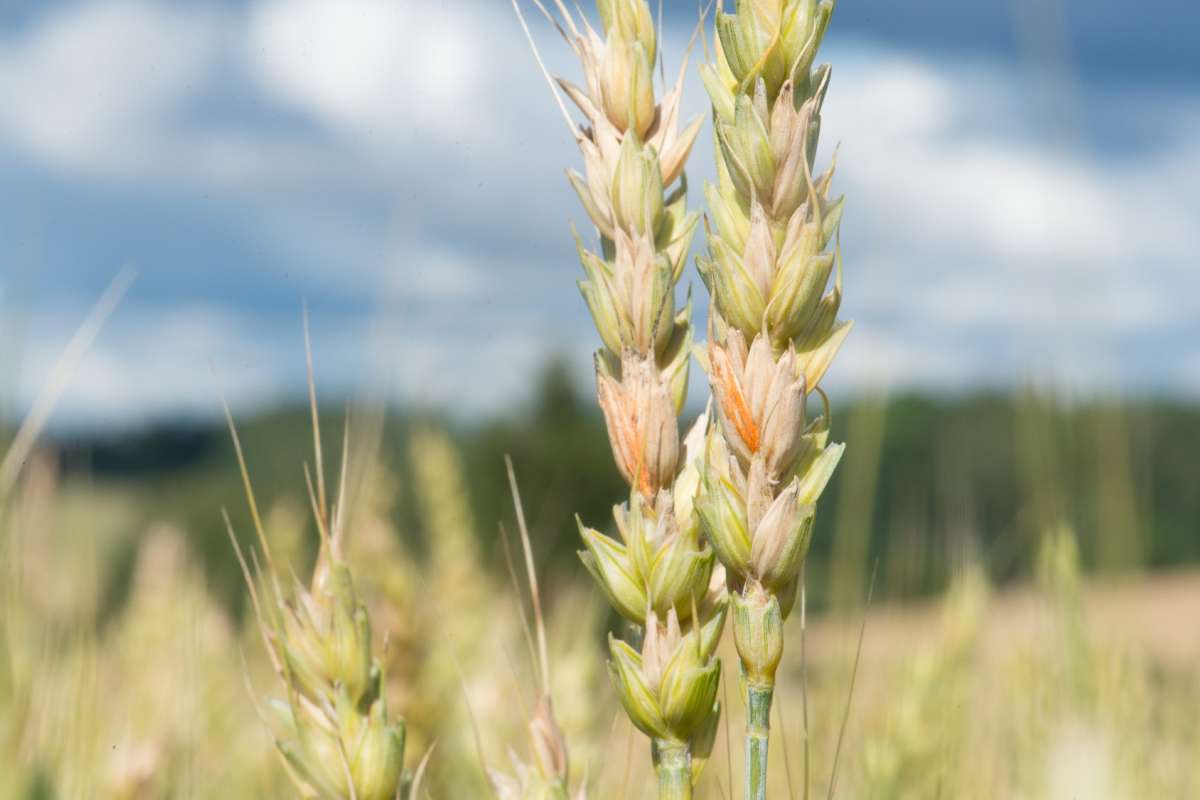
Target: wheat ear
x=773, y=330
x=657, y=574
x=333, y=730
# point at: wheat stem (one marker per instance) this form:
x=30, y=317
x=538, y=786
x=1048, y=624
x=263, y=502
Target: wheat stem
x=673, y=764
x=758, y=733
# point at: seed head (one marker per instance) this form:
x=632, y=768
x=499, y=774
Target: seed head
x=770, y=41
x=656, y=565
x=669, y=689
x=547, y=775
x=688, y=481
x=760, y=400
x=325, y=637
x=627, y=85
x=758, y=633
x=722, y=507
x=781, y=539
x=774, y=279
x=637, y=189
x=640, y=415
x=379, y=760
x=761, y=532
x=632, y=299
x=549, y=746
x=337, y=750
x=633, y=151
x=631, y=20
x=333, y=728
x=768, y=269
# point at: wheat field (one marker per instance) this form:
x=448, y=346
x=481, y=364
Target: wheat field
x=1067, y=687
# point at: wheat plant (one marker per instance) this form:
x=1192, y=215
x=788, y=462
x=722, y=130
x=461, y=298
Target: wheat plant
x=657, y=574
x=773, y=331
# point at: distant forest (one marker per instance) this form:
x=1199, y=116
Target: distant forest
x=927, y=482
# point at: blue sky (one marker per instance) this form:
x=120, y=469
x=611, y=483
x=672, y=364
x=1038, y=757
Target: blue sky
x=1023, y=181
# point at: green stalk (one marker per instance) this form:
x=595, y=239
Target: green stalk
x=673, y=763
x=758, y=732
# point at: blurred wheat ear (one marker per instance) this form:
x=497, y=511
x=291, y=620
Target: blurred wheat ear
x=333, y=730
x=545, y=773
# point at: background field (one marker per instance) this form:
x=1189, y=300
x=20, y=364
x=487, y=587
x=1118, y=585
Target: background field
x=1032, y=632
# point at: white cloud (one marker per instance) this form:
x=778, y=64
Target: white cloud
x=437, y=276
x=102, y=90
x=90, y=84
x=376, y=67
x=966, y=223
x=919, y=138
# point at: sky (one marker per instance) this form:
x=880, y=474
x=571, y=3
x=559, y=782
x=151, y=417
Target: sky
x=1023, y=184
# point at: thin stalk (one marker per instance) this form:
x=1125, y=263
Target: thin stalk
x=804, y=671
x=673, y=763
x=758, y=733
